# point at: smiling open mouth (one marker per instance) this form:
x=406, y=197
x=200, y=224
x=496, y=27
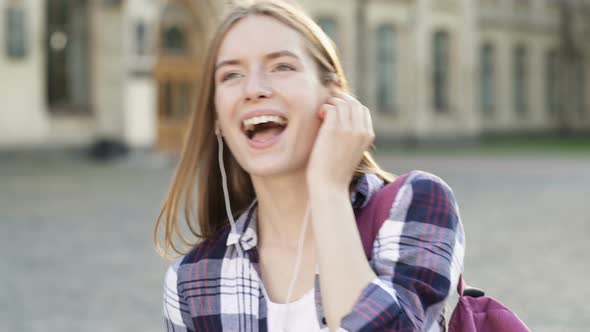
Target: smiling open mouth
x=264, y=128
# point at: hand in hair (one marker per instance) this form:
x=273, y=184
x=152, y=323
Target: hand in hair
x=345, y=134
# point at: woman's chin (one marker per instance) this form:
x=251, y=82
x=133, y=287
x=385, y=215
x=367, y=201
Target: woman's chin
x=271, y=167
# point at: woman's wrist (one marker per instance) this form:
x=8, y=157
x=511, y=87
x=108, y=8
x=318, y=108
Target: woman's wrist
x=324, y=190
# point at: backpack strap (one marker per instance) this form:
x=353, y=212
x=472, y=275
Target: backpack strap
x=461, y=285
x=370, y=218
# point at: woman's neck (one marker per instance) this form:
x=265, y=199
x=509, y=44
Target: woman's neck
x=282, y=204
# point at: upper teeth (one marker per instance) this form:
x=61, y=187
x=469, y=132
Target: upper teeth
x=251, y=122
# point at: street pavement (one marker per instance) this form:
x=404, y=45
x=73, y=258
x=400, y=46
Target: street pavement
x=77, y=253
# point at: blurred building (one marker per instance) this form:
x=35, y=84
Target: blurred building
x=74, y=71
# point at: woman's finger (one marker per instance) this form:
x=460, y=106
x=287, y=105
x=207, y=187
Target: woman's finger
x=352, y=105
x=357, y=116
x=368, y=121
x=330, y=116
x=341, y=110
x=325, y=109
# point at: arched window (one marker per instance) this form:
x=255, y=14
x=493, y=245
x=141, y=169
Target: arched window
x=441, y=71
x=330, y=27
x=487, y=79
x=386, y=68
x=520, y=80
x=176, y=21
x=175, y=40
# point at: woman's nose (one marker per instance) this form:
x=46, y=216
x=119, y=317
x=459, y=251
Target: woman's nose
x=257, y=87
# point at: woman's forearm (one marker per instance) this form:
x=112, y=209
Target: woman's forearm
x=344, y=269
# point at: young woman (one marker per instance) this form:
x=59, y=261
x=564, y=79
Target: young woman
x=278, y=143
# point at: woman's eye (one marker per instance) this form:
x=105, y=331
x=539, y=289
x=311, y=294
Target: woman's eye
x=284, y=67
x=229, y=76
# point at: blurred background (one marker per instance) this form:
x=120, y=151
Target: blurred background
x=491, y=95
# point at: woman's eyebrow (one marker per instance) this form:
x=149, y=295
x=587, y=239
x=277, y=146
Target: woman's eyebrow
x=227, y=63
x=269, y=56
x=280, y=54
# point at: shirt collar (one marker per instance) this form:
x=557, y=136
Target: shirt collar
x=246, y=225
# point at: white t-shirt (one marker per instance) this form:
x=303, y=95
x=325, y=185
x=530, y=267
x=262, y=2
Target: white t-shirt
x=302, y=315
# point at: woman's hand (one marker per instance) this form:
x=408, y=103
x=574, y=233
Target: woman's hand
x=345, y=134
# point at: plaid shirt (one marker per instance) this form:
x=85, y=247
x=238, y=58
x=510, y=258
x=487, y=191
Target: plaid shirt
x=417, y=257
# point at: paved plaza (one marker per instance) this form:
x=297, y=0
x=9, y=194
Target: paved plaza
x=77, y=254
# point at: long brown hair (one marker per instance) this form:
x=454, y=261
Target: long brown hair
x=199, y=165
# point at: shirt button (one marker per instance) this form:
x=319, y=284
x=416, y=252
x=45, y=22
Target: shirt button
x=324, y=320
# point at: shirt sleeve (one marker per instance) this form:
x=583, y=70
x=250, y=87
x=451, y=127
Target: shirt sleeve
x=417, y=256
x=173, y=304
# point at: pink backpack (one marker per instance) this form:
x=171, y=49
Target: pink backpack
x=474, y=312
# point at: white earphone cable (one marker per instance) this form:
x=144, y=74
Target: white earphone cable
x=225, y=191
x=300, y=244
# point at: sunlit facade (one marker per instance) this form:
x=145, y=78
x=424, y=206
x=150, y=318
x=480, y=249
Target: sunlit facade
x=72, y=72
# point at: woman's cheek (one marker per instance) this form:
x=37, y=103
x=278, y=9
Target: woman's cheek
x=223, y=103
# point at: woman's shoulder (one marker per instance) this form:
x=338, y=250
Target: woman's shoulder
x=426, y=198
x=419, y=194
x=414, y=186
x=417, y=182
x=209, y=248
x=424, y=208
x=171, y=277
x=416, y=176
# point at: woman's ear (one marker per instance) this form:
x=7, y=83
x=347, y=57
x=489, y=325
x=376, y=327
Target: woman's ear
x=329, y=78
x=334, y=86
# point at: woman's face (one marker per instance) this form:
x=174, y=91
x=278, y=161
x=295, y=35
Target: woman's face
x=267, y=96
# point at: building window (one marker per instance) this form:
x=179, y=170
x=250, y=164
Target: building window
x=487, y=80
x=176, y=99
x=386, y=68
x=142, y=53
x=330, y=27
x=441, y=71
x=67, y=66
x=176, y=23
x=581, y=88
x=551, y=83
x=520, y=80
x=175, y=40
x=141, y=42
x=15, y=32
